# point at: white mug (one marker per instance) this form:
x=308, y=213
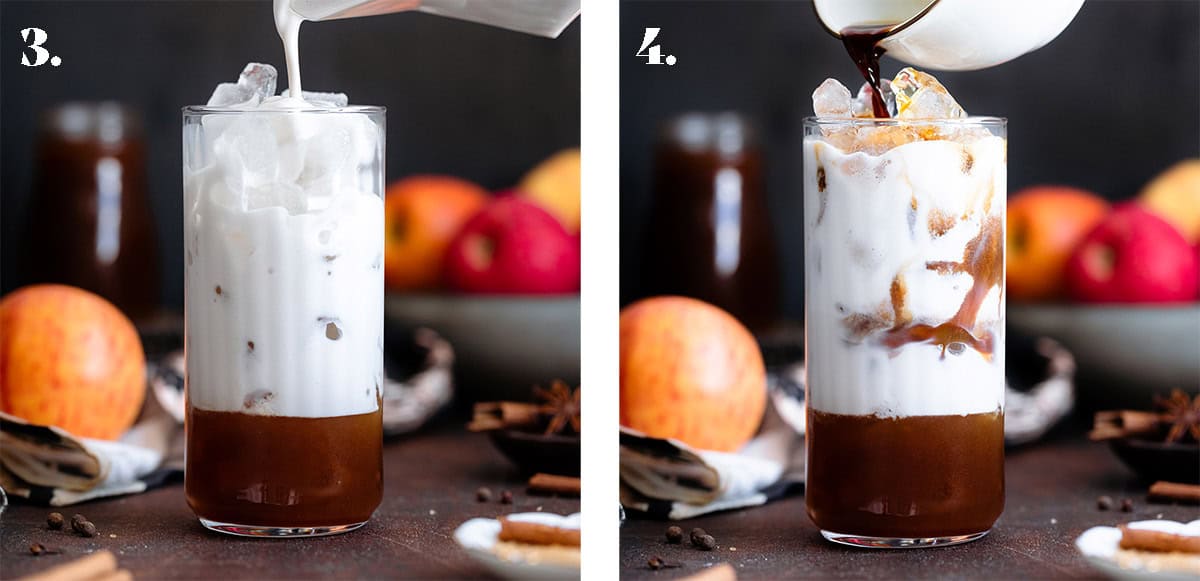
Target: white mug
x=954, y=35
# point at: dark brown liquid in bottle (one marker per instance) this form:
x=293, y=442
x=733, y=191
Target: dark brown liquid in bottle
x=90, y=223
x=862, y=42
x=709, y=234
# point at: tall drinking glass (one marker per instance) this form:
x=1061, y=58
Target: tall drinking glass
x=904, y=308
x=283, y=237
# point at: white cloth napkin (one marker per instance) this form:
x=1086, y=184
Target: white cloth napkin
x=667, y=478
x=50, y=466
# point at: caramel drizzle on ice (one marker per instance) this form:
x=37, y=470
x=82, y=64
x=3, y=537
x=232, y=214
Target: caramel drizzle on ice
x=983, y=259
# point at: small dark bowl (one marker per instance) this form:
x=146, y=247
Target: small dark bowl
x=532, y=452
x=1158, y=460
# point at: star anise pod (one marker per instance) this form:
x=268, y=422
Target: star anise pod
x=1181, y=414
x=561, y=404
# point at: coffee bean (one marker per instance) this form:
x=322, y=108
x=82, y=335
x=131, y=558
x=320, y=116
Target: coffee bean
x=674, y=535
x=87, y=529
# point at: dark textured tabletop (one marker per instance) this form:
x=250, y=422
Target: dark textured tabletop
x=1051, y=498
x=430, y=482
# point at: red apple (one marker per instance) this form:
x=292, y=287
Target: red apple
x=513, y=246
x=1133, y=256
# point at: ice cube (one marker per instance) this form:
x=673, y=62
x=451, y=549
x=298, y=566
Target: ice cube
x=232, y=95
x=277, y=195
x=862, y=102
x=920, y=96
x=256, y=83
x=259, y=78
x=366, y=137
x=832, y=99
x=881, y=139
x=843, y=138
x=325, y=99
x=247, y=153
x=327, y=153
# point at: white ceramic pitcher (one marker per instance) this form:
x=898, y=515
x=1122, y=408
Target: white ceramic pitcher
x=954, y=35
x=541, y=17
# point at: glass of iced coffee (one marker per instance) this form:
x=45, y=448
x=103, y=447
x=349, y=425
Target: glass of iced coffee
x=283, y=241
x=904, y=279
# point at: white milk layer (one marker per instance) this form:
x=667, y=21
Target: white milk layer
x=886, y=216
x=284, y=235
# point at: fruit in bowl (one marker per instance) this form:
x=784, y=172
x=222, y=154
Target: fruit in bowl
x=690, y=371
x=1045, y=224
x=555, y=185
x=69, y=358
x=499, y=280
x=1131, y=281
x=1175, y=196
x=1133, y=256
x=513, y=246
x=423, y=214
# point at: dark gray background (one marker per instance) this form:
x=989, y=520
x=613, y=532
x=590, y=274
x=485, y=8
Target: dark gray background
x=1107, y=105
x=462, y=98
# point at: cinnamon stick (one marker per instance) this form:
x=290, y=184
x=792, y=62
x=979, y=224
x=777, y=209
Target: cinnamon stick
x=554, y=484
x=1157, y=541
x=537, y=534
x=502, y=415
x=722, y=572
x=1114, y=424
x=1175, y=491
x=98, y=564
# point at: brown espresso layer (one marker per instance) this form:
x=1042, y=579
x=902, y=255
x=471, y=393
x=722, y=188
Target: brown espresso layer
x=908, y=477
x=275, y=471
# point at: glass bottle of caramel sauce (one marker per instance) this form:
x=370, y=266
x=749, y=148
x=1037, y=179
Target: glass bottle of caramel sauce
x=709, y=234
x=90, y=222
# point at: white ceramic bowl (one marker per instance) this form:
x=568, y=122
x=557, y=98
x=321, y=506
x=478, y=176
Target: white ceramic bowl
x=503, y=345
x=1125, y=353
